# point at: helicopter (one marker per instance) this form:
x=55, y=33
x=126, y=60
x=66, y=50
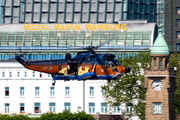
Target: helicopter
x=86, y=65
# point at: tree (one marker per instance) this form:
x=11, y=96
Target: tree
x=129, y=88
x=174, y=62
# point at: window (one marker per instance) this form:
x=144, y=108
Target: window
x=40, y=75
x=178, y=23
x=67, y=106
x=44, y=7
x=52, y=107
x=36, y=91
x=91, y=107
x=147, y=8
x=178, y=46
x=6, y=91
x=91, y=91
x=103, y=107
x=10, y=74
x=37, y=107
x=25, y=74
x=116, y=108
x=48, y=75
x=84, y=17
x=33, y=74
x=27, y=17
x=67, y=91
x=178, y=35
x=103, y=92
x=22, y=107
x=51, y=91
x=178, y=10
x=160, y=64
x=128, y=107
x=3, y=74
x=100, y=17
x=155, y=62
x=156, y=108
x=6, y=107
x=21, y=91
x=17, y=74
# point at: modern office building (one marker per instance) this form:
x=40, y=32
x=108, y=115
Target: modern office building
x=172, y=24
x=160, y=15
x=74, y=11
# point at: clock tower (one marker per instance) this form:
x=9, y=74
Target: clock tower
x=159, y=82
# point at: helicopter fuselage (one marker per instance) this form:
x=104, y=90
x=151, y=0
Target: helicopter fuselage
x=86, y=65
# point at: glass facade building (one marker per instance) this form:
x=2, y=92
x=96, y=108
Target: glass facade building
x=160, y=15
x=37, y=45
x=172, y=25
x=76, y=11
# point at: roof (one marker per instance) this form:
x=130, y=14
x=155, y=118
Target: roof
x=160, y=46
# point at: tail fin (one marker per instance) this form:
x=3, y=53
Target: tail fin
x=21, y=60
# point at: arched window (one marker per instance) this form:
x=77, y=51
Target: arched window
x=116, y=108
x=37, y=107
x=25, y=74
x=91, y=91
x=22, y=107
x=21, y=91
x=18, y=74
x=3, y=74
x=129, y=107
x=91, y=107
x=6, y=107
x=51, y=91
x=52, y=107
x=103, y=107
x=6, y=91
x=67, y=106
x=67, y=91
x=36, y=91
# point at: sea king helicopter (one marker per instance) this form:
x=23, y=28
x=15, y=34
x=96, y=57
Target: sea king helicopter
x=86, y=65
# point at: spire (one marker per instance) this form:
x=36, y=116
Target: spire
x=160, y=46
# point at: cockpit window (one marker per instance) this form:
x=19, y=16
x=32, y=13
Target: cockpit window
x=109, y=64
x=112, y=64
x=116, y=63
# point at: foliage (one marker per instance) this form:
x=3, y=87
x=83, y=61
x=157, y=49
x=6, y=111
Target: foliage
x=65, y=115
x=130, y=88
x=14, y=117
x=174, y=62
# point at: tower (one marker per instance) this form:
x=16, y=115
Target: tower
x=160, y=83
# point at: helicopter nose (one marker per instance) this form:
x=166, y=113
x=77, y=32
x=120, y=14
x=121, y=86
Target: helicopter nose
x=127, y=69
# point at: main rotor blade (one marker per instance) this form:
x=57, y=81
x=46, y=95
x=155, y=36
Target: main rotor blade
x=105, y=43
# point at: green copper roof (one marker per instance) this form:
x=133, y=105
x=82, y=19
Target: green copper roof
x=160, y=46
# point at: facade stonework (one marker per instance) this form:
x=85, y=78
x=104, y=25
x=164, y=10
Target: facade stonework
x=165, y=96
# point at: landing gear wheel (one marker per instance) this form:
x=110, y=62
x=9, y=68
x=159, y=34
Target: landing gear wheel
x=109, y=81
x=53, y=84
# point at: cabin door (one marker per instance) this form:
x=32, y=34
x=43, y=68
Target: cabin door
x=72, y=68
